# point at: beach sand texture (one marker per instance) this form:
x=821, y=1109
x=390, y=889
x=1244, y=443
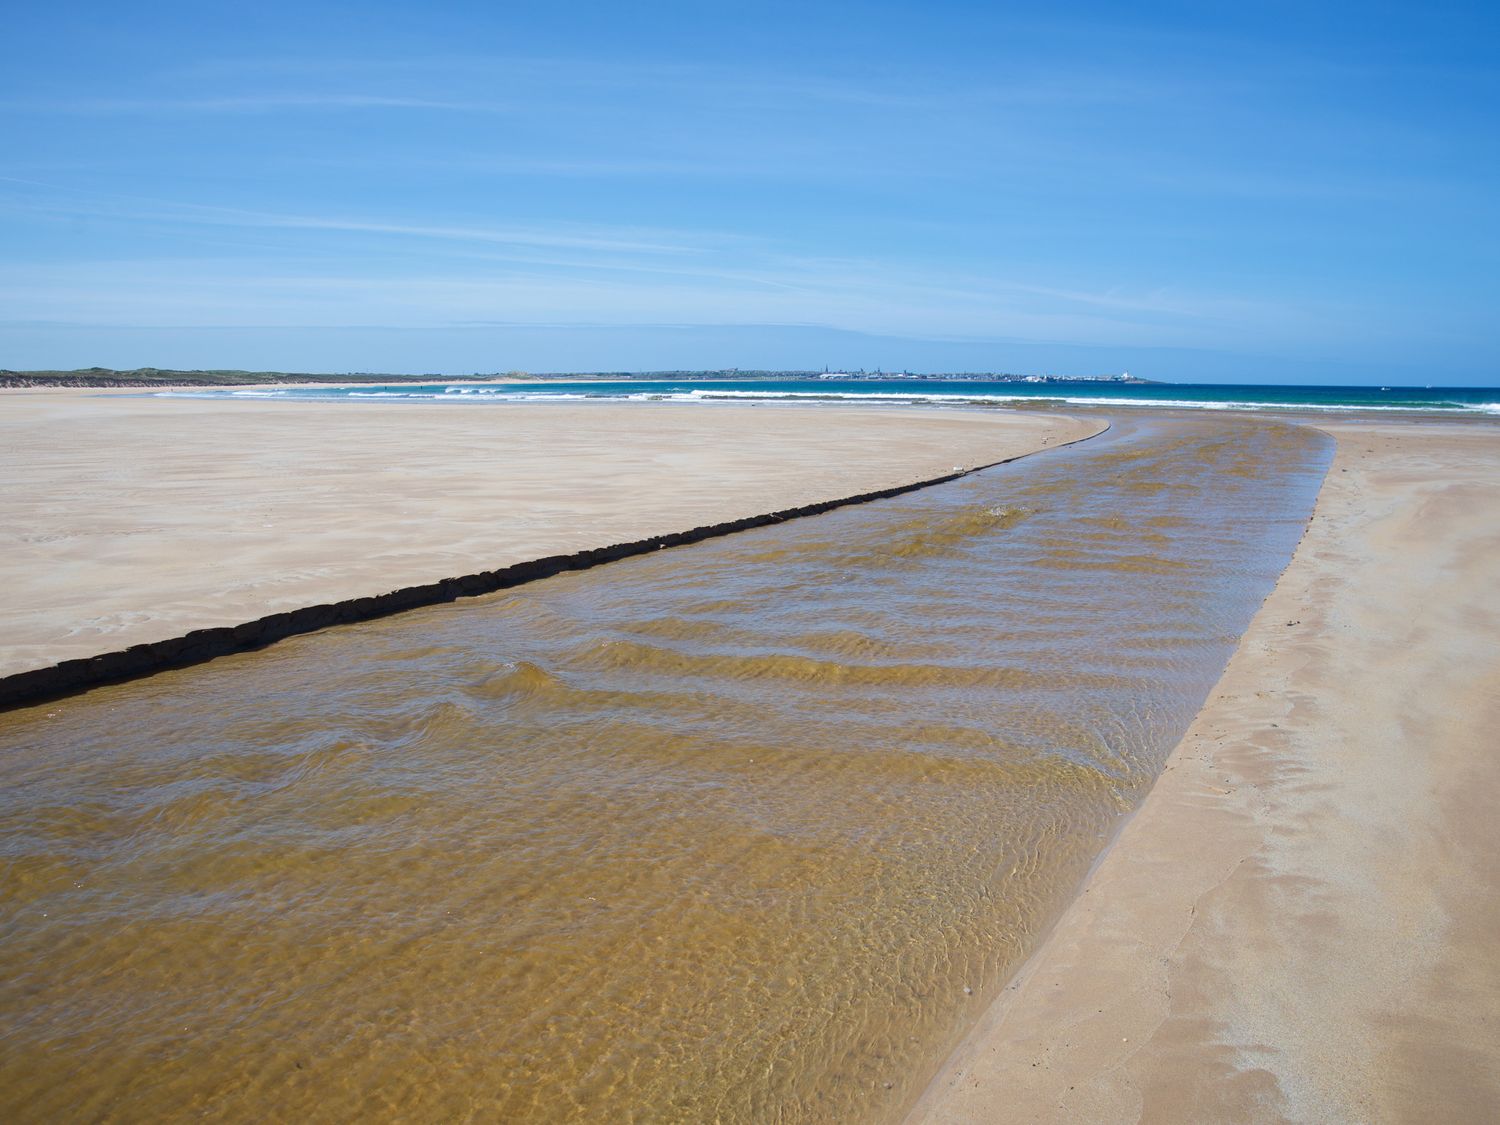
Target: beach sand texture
x=1300, y=922
x=128, y=519
x=1297, y=925
x=747, y=831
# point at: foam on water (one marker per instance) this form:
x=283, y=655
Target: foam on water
x=1272, y=398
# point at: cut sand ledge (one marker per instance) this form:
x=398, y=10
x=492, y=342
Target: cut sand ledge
x=136, y=520
x=1302, y=921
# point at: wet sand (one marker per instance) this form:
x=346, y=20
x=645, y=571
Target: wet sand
x=1300, y=922
x=129, y=519
x=747, y=831
x=1297, y=924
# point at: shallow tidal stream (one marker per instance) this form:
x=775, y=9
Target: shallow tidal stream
x=749, y=831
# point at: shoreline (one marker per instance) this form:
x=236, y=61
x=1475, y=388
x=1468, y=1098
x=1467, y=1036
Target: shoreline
x=1257, y=942
x=834, y=395
x=560, y=488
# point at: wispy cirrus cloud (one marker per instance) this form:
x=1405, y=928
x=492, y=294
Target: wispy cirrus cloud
x=470, y=84
x=555, y=236
x=120, y=208
x=250, y=104
x=753, y=288
x=402, y=271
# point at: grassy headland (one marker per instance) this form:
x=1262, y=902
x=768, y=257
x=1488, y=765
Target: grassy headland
x=164, y=377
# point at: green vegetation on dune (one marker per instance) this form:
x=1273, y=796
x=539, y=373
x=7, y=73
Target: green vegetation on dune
x=160, y=377
x=164, y=377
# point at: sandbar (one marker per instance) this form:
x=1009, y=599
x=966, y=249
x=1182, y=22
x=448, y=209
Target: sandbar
x=136, y=518
x=1302, y=921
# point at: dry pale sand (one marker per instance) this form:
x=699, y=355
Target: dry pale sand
x=127, y=519
x=1302, y=922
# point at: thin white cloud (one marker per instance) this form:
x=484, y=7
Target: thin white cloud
x=136, y=209
x=450, y=83
x=516, y=236
x=252, y=103
x=417, y=274
x=231, y=292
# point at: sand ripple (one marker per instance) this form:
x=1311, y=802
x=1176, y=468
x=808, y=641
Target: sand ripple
x=746, y=831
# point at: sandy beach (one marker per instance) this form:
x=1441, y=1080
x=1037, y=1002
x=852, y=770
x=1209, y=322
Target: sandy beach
x=135, y=518
x=1299, y=923
x=746, y=831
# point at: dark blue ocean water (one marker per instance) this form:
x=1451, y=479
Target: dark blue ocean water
x=1461, y=400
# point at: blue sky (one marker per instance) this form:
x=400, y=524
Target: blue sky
x=1277, y=192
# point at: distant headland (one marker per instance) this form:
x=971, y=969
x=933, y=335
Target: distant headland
x=164, y=377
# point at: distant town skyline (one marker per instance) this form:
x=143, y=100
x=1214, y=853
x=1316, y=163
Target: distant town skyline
x=1269, y=195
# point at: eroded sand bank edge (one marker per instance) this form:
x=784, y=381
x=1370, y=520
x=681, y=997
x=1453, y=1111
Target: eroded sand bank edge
x=200, y=645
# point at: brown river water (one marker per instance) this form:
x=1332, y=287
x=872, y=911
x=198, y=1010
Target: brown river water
x=745, y=831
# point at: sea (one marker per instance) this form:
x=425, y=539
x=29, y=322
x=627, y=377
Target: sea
x=965, y=392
